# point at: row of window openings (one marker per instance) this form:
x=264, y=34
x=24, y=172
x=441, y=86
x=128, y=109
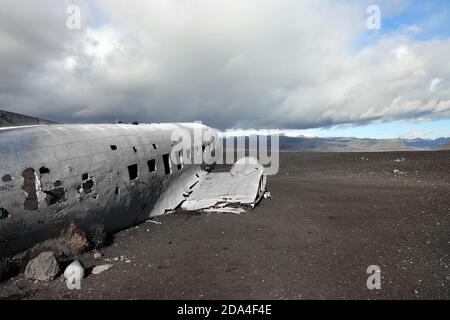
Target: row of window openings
x=197, y=149
x=114, y=147
x=59, y=193
x=134, y=172
x=133, y=169
x=88, y=183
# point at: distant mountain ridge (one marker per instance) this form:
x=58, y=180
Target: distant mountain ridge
x=341, y=144
x=446, y=147
x=427, y=143
x=337, y=144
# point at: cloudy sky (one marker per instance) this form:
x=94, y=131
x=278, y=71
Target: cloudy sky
x=290, y=64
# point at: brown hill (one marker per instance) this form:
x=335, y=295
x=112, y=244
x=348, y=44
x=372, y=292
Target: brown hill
x=446, y=146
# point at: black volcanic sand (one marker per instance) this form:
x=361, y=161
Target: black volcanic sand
x=331, y=215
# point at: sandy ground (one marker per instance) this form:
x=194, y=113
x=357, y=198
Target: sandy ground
x=331, y=215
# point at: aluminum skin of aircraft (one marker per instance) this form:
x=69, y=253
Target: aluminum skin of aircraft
x=113, y=175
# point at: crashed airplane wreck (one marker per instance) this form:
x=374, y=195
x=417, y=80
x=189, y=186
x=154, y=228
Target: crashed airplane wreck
x=113, y=175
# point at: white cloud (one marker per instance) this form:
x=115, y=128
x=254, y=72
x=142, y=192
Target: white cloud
x=267, y=132
x=434, y=83
x=413, y=29
x=70, y=63
x=230, y=63
x=419, y=133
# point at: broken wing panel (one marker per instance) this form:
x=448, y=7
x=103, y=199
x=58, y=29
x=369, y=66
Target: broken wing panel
x=243, y=185
x=176, y=192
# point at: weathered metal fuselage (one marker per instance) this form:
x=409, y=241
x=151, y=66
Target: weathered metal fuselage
x=111, y=175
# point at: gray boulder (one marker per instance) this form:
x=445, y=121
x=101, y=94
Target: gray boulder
x=44, y=267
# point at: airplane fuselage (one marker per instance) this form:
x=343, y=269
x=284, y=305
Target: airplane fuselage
x=112, y=175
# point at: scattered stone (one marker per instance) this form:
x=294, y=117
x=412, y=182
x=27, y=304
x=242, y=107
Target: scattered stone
x=97, y=255
x=153, y=221
x=44, y=267
x=122, y=258
x=101, y=268
x=225, y=210
x=116, y=259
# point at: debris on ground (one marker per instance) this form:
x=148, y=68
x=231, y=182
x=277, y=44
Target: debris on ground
x=153, y=221
x=101, y=268
x=400, y=160
x=44, y=267
x=225, y=210
x=300, y=225
x=244, y=185
x=97, y=255
x=74, y=272
x=267, y=195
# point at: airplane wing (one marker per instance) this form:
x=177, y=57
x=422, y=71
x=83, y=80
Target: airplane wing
x=10, y=119
x=245, y=185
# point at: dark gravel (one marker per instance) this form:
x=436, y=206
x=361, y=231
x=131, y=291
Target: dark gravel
x=331, y=215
